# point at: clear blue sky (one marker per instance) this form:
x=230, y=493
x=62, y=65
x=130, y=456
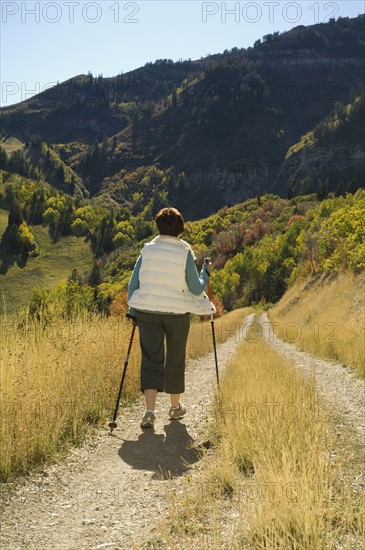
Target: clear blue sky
x=44, y=42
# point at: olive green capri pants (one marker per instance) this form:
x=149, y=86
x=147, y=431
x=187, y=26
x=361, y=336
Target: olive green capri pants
x=159, y=370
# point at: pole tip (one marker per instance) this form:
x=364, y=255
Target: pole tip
x=112, y=426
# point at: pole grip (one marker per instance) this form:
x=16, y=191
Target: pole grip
x=207, y=261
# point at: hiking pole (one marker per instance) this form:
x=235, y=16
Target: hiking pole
x=112, y=425
x=208, y=262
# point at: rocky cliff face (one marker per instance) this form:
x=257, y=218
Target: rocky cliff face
x=331, y=164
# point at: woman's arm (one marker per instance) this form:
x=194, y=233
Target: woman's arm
x=196, y=283
x=134, y=280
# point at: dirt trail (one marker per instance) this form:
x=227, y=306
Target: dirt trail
x=343, y=393
x=111, y=492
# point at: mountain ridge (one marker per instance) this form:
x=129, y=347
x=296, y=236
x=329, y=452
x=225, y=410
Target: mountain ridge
x=226, y=121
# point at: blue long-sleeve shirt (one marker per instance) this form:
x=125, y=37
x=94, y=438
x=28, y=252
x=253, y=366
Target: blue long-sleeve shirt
x=196, y=282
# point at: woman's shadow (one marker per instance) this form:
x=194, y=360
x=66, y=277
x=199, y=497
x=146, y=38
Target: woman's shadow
x=167, y=456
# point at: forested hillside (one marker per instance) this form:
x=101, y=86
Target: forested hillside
x=258, y=247
x=217, y=130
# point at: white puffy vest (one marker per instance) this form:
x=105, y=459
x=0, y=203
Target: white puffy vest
x=162, y=281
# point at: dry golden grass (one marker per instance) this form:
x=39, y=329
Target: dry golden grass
x=200, y=336
x=57, y=381
x=274, y=480
x=326, y=319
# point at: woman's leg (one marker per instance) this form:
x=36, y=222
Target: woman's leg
x=177, y=330
x=150, y=399
x=175, y=398
x=151, y=336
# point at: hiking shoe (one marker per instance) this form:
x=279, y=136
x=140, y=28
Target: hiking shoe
x=177, y=412
x=148, y=420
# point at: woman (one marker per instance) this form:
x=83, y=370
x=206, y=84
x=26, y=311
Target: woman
x=164, y=289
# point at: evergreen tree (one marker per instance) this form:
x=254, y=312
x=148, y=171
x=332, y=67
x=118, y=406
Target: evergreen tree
x=290, y=194
x=340, y=190
x=322, y=192
x=3, y=159
x=72, y=186
x=17, y=164
x=95, y=276
x=60, y=174
x=103, y=236
x=15, y=214
x=353, y=186
x=37, y=207
x=10, y=240
x=66, y=220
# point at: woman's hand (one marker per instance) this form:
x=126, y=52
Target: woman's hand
x=208, y=266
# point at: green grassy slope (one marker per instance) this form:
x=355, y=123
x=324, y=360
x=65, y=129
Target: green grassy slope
x=53, y=265
x=11, y=144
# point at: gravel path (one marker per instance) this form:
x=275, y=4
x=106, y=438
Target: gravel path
x=343, y=393
x=111, y=492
